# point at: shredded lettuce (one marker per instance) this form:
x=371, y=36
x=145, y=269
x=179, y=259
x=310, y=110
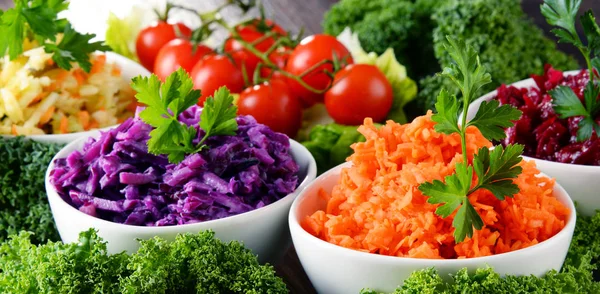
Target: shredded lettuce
x=121, y=33
x=405, y=89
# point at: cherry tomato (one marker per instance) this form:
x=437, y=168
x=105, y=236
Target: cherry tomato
x=247, y=61
x=214, y=71
x=178, y=53
x=279, y=57
x=250, y=33
x=359, y=91
x=253, y=31
x=309, y=52
x=151, y=39
x=271, y=103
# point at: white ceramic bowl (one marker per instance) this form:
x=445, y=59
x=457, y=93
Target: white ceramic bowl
x=334, y=269
x=264, y=230
x=129, y=70
x=581, y=181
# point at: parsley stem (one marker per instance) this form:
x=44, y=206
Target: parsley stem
x=588, y=61
x=463, y=128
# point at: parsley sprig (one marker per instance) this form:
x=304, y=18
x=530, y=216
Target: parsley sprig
x=165, y=102
x=37, y=20
x=562, y=13
x=494, y=169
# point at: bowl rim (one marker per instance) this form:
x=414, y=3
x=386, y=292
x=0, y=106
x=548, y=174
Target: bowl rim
x=53, y=196
x=351, y=253
x=529, y=83
x=61, y=138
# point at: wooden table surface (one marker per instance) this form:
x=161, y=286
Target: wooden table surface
x=294, y=14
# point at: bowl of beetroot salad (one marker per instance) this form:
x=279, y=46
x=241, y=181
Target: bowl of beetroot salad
x=545, y=135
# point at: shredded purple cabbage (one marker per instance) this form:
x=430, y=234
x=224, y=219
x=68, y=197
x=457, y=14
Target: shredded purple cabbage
x=116, y=179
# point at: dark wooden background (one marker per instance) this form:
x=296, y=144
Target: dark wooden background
x=294, y=14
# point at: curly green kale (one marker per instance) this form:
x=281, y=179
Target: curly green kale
x=586, y=239
x=23, y=202
x=510, y=46
x=193, y=263
x=576, y=276
x=198, y=263
x=83, y=267
x=403, y=25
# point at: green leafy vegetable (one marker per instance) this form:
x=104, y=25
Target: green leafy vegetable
x=495, y=170
x=23, y=202
x=510, y=46
x=491, y=119
x=121, y=33
x=38, y=20
x=165, y=102
x=192, y=263
x=562, y=13
x=404, y=88
x=74, y=47
x=403, y=25
x=576, y=276
x=330, y=144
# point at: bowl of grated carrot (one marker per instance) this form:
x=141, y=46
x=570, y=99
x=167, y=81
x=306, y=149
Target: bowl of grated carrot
x=365, y=223
x=49, y=104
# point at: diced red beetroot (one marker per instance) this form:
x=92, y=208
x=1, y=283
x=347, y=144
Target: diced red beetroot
x=549, y=80
x=539, y=129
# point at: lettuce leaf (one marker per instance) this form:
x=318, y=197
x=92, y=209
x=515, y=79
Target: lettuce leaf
x=121, y=33
x=405, y=89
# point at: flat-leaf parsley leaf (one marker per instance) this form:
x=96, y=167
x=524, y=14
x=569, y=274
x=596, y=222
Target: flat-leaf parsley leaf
x=562, y=13
x=496, y=169
x=165, y=102
x=38, y=21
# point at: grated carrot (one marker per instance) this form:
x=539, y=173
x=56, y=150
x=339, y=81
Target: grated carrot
x=58, y=81
x=115, y=71
x=64, y=125
x=98, y=64
x=84, y=119
x=45, y=118
x=93, y=124
x=80, y=76
x=376, y=206
x=13, y=130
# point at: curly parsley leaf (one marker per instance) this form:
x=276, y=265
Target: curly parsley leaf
x=563, y=13
x=494, y=170
x=491, y=119
x=165, y=102
x=38, y=20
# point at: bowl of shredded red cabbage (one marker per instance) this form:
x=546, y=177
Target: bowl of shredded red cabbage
x=113, y=177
